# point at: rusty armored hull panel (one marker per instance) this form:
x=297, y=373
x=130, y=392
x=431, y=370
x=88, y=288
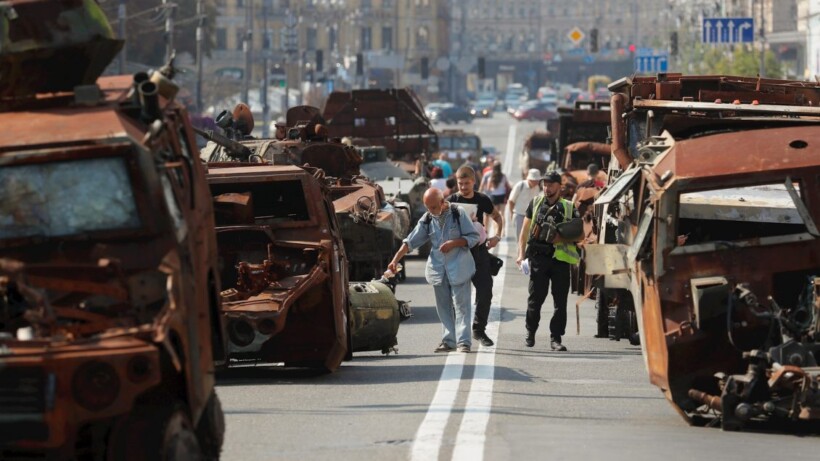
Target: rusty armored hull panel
x=283, y=259
x=717, y=241
x=107, y=300
x=391, y=118
x=371, y=225
x=282, y=266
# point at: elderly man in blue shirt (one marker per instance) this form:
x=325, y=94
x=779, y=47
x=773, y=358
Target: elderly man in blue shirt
x=450, y=266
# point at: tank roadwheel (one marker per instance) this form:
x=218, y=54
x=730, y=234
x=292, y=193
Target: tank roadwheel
x=211, y=429
x=158, y=433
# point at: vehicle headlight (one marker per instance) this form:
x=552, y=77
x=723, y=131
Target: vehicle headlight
x=95, y=385
x=472, y=111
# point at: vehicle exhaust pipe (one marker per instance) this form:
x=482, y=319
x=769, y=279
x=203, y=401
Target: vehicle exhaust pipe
x=619, y=150
x=139, y=77
x=149, y=100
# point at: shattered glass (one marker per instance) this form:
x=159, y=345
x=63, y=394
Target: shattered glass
x=66, y=198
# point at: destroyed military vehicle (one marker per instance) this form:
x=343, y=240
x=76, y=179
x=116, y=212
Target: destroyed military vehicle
x=109, y=321
x=373, y=227
x=715, y=240
x=282, y=261
x=538, y=152
x=393, y=118
x=399, y=186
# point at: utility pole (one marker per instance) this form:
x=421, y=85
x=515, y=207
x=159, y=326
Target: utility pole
x=121, y=24
x=291, y=47
x=246, y=48
x=170, y=10
x=265, y=51
x=762, y=40
x=200, y=38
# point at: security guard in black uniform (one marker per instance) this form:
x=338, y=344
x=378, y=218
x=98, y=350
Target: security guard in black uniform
x=550, y=249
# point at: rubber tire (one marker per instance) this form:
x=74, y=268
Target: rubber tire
x=162, y=433
x=211, y=428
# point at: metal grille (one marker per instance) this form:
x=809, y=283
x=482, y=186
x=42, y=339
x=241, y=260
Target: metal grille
x=22, y=391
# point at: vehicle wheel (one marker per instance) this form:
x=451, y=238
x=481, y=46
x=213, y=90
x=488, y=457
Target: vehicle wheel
x=158, y=433
x=211, y=428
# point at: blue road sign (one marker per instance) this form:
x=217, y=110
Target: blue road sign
x=652, y=64
x=589, y=59
x=728, y=30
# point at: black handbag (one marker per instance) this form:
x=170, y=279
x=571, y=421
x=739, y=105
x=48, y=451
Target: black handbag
x=496, y=264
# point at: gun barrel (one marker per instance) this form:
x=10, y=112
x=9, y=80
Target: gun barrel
x=233, y=148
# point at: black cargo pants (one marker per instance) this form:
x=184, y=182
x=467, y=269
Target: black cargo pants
x=483, y=283
x=543, y=271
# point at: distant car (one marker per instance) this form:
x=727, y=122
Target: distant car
x=535, y=111
x=451, y=114
x=483, y=108
x=434, y=107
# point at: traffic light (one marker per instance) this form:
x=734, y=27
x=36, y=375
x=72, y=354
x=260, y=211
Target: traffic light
x=320, y=65
x=482, y=70
x=425, y=69
x=673, y=44
x=593, y=40
x=359, y=64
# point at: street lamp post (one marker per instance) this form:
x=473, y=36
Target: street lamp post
x=200, y=38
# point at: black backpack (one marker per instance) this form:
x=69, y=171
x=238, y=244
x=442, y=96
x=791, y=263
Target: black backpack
x=495, y=262
x=428, y=218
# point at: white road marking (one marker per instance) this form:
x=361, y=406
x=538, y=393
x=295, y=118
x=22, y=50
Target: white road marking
x=472, y=433
x=472, y=430
x=508, y=156
x=427, y=444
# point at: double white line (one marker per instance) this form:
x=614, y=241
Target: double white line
x=472, y=431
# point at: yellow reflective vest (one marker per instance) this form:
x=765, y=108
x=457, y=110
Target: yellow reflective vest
x=566, y=252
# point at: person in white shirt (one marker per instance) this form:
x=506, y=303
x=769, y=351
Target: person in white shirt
x=522, y=194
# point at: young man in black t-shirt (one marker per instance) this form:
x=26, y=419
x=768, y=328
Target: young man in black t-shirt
x=483, y=279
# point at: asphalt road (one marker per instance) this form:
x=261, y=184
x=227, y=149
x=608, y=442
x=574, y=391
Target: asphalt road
x=505, y=402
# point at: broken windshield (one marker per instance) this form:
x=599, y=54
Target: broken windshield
x=66, y=198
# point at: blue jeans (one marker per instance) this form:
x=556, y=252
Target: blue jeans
x=453, y=308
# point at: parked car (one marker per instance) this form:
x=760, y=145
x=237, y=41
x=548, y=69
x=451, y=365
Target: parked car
x=451, y=114
x=535, y=111
x=434, y=107
x=483, y=108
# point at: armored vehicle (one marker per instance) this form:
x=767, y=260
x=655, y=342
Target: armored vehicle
x=393, y=118
x=372, y=226
x=538, y=152
x=282, y=260
x=715, y=234
x=459, y=147
x=109, y=310
x=399, y=186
